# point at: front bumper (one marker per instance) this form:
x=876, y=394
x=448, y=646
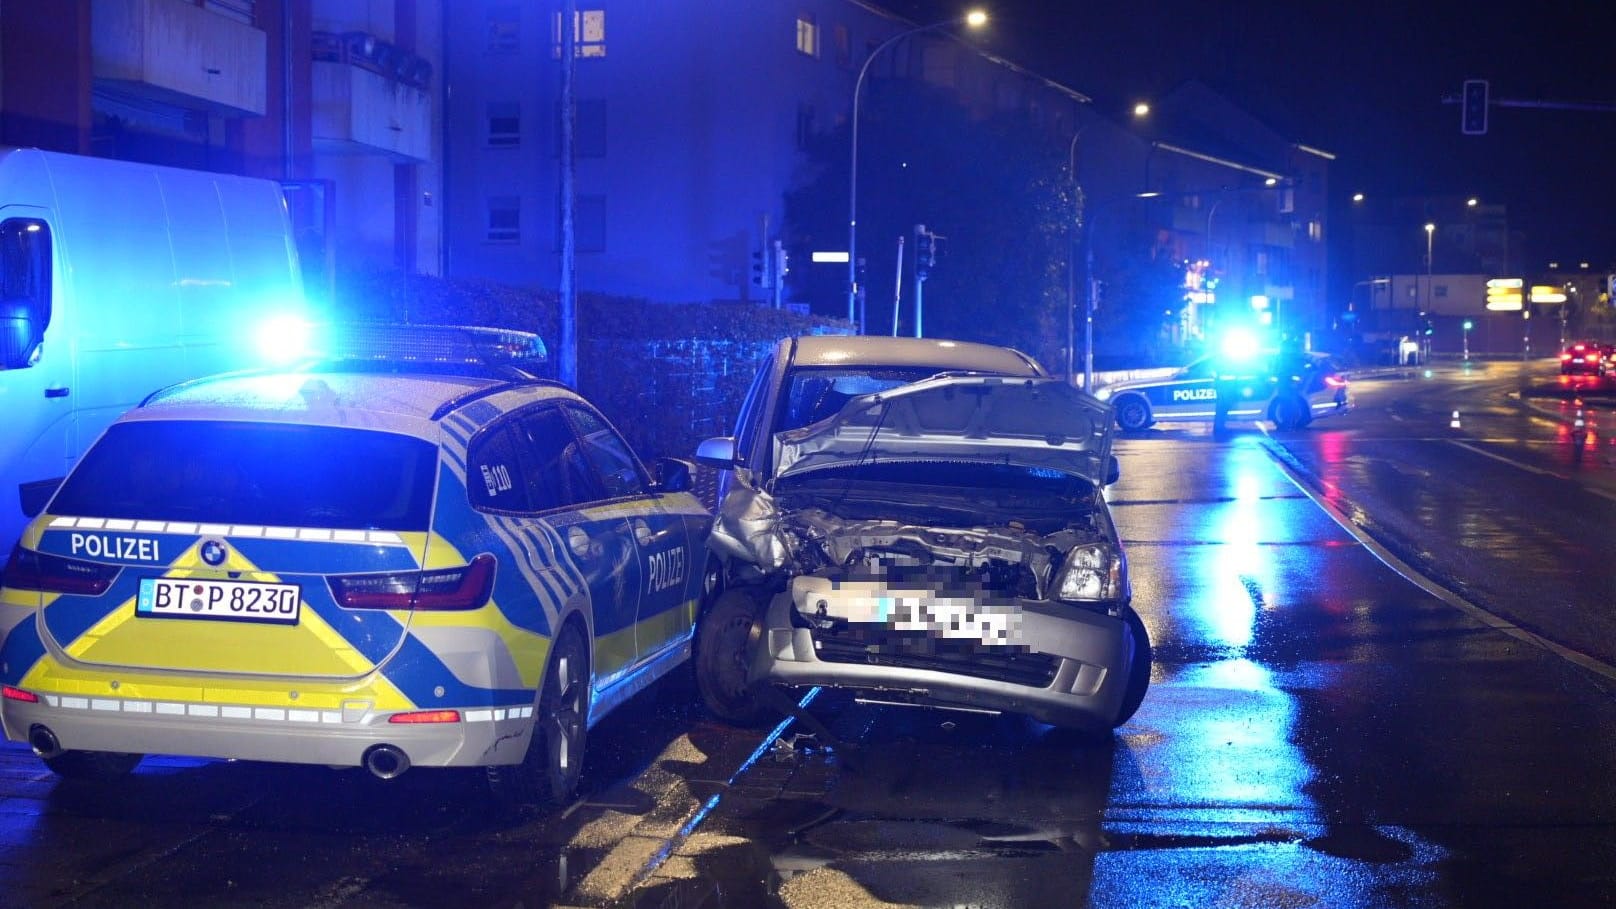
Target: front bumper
x=1071, y=668
x=338, y=738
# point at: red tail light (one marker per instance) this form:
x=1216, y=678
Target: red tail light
x=1336, y=381
x=1565, y=356
x=426, y=716
x=1591, y=358
x=30, y=570
x=17, y=694
x=465, y=587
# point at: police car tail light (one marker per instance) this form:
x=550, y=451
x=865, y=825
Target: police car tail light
x=29, y=570
x=1335, y=381
x=465, y=587
x=17, y=694
x=426, y=716
x=1092, y=573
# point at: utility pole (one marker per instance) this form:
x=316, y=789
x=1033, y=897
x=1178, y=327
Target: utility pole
x=897, y=288
x=568, y=366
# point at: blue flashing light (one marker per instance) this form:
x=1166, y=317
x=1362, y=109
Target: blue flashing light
x=282, y=339
x=1239, y=345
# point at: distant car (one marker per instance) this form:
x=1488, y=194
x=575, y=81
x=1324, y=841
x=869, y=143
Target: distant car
x=1290, y=391
x=1584, y=358
x=351, y=566
x=924, y=522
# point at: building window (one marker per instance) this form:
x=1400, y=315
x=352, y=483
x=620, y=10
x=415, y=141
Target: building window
x=807, y=34
x=844, y=47
x=588, y=128
x=504, y=124
x=588, y=34
x=504, y=219
x=504, y=29
x=588, y=224
x=1315, y=230
x=805, y=125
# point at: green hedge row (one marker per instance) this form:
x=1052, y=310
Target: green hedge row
x=666, y=374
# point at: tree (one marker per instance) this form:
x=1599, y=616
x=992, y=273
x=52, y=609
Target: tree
x=994, y=187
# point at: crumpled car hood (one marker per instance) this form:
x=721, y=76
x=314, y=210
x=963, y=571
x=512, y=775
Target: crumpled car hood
x=1033, y=423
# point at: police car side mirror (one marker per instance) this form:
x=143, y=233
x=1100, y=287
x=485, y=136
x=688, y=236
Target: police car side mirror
x=1113, y=470
x=672, y=475
x=717, y=453
x=36, y=495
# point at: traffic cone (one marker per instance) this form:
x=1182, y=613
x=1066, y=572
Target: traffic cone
x=1454, y=423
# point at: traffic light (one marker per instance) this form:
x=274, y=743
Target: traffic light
x=782, y=265
x=760, y=267
x=1473, y=108
x=925, y=250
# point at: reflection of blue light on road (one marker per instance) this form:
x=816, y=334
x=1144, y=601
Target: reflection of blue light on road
x=1241, y=568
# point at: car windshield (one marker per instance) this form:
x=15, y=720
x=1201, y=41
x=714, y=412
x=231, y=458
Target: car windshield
x=812, y=394
x=254, y=473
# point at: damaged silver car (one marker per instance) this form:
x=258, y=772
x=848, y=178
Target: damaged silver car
x=922, y=522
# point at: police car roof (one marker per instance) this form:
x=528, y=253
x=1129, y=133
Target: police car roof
x=397, y=403
x=871, y=350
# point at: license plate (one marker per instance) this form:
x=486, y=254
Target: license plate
x=234, y=601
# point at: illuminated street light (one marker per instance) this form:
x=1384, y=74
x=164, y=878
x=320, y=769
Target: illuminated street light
x=1271, y=182
x=1357, y=197
x=975, y=19
x=1472, y=201
x=1141, y=109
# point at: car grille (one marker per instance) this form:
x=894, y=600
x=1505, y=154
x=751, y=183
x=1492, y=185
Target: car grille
x=917, y=650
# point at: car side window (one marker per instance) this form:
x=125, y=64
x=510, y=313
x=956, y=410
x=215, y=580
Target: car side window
x=1201, y=369
x=750, y=420
x=25, y=290
x=495, y=480
x=606, y=451
x=558, y=476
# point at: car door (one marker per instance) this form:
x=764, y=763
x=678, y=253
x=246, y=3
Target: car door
x=1190, y=394
x=36, y=365
x=668, y=566
x=566, y=492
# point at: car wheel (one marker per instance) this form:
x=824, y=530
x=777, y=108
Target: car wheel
x=1138, y=668
x=725, y=639
x=1133, y=413
x=548, y=773
x=1290, y=412
x=97, y=766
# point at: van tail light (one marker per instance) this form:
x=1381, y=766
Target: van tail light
x=1565, y=356
x=464, y=587
x=1335, y=381
x=30, y=570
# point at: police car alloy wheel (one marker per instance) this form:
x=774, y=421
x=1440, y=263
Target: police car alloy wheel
x=1133, y=413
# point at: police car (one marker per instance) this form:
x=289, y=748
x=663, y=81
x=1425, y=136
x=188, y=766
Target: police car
x=1291, y=391
x=353, y=566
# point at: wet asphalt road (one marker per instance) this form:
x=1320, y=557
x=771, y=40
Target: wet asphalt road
x=1320, y=731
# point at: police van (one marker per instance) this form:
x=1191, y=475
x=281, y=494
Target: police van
x=1290, y=391
x=451, y=565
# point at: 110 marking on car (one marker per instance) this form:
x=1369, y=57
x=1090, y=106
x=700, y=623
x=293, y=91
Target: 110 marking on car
x=227, y=600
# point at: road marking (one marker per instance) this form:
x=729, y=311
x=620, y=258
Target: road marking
x=1513, y=463
x=1410, y=574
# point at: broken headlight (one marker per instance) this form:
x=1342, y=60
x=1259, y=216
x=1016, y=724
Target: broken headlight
x=1091, y=573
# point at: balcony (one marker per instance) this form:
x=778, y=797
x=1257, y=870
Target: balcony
x=360, y=111
x=180, y=54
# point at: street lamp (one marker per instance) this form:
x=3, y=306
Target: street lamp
x=1430, y=232
x=975, y=19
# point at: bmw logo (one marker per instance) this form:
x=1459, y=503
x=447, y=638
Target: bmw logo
x=214, y=553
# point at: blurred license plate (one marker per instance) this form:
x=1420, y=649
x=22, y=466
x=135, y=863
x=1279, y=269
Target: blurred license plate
x=236, y=601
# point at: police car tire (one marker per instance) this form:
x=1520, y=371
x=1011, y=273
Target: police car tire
x=1291, y=413
x=724, y=641
x=1133, y=413
x=543, y=778
x=99, y=766
x=1139, y=669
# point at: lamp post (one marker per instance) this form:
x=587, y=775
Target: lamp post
x=1425, y=350
x=974, y=18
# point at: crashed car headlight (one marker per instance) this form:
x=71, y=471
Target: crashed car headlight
x=1092, y=573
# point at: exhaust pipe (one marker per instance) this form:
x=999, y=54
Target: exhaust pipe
x=43, y=741
x=385, y=762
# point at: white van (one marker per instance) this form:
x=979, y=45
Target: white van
x=117, y=279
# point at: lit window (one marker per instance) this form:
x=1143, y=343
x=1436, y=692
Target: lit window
x=1315, y=230
x=504, y=29
x=504, y=124
x=504, y=219
x=588, y=34
x=807, y=34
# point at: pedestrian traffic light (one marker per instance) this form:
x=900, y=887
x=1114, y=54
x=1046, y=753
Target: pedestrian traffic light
x=1473, y=108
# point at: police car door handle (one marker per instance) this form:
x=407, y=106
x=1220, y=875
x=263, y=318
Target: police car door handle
x=642, y=532
x=56, y=391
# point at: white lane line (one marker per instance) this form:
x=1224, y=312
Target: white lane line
x=1408, y=572
x=1513, y=463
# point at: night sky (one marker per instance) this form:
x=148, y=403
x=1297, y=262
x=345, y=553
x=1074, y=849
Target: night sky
x=1365, y=80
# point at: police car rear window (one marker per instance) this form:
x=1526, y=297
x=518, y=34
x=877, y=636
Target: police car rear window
x=266, y=474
